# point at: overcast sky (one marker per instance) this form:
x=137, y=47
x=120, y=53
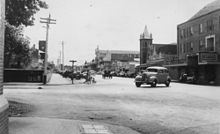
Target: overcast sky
x=110, y=24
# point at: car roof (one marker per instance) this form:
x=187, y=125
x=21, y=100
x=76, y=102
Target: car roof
x=157, y=67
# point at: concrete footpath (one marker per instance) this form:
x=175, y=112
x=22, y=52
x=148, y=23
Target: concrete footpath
x=35, y=125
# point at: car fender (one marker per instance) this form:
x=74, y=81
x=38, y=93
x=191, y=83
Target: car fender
x=152, y=78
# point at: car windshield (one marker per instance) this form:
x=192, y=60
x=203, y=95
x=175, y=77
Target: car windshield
x=151, y=70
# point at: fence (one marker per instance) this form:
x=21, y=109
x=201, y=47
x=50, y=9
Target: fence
x=21, y=75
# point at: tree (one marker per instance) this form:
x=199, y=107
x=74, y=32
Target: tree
x=19, y=14
x=16, y=48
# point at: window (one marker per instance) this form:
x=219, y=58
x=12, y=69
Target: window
x=152, y=70
x=187, y=32
x=160, y=71
x=191, y=46
x=191, y=31
x=210, y=26
x=181, y=33
x=210, y=43
x=182, y=48
x=201, y=45
x=200, y=28
x=184, y=33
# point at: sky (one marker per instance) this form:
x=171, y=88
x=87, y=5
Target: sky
x=110, y=24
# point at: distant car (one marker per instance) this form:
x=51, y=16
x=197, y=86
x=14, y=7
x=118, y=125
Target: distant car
x=189, y=78
x=153, y=76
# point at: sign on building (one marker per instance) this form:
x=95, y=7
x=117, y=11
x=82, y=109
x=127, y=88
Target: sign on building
x=42, y=45
x=42, y=56
x=208, y=57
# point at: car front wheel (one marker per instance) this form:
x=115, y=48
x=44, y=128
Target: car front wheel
x=167, y=83
x=138, y=84
x=154, y=83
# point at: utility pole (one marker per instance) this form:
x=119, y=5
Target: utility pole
x=60, y=58
x=62, y=55
x=47, y=21
x=72, y=69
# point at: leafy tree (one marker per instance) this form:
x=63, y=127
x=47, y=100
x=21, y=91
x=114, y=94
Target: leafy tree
x=19, y=14
x=16, y=48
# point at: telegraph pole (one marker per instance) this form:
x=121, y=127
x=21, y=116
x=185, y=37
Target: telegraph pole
x=47, y=21
x=62, y=55
x=72, y=68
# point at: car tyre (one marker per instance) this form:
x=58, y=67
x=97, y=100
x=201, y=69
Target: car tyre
x=167, y=83
x=138, y=84
x=154, y=83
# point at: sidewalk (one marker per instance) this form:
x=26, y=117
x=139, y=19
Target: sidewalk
x=37, y=125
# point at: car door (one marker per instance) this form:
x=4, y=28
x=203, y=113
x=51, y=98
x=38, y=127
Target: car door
x=162, y=76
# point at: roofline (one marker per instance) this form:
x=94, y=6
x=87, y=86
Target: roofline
x=198, y=17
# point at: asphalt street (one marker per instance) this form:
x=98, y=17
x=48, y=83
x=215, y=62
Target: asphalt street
x=180, y=108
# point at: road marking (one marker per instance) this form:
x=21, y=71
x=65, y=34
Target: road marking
x=94, y=129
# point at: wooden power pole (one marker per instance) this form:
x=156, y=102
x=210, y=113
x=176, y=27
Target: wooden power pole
x=47, y=21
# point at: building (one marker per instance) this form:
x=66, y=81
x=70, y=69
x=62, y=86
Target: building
x=198, y=42
x=116, y=59
x=3, y=101
x=154, y=54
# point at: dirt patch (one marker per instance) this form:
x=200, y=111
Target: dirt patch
x=17, y=109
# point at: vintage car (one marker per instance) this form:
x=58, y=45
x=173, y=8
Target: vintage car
x=153, y=76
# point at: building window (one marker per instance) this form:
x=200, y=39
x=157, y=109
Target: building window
x=187, y=32
x=200, y=28
x=182, y=47
x=184, y=33
x=201, y=45
x=210, y=26
x=210, y=43
x=181, y=33
x=191, y=47
x=191, y=31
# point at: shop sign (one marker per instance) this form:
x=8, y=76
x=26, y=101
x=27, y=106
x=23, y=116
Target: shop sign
x=208, y=57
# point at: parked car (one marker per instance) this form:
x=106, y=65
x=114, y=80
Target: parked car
x=189, y=78
x=153, y=76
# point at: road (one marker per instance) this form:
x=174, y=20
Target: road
x=180, y=108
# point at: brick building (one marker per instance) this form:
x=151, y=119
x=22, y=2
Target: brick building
x=153, y=53
x=198, y=42
x=3, y=101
